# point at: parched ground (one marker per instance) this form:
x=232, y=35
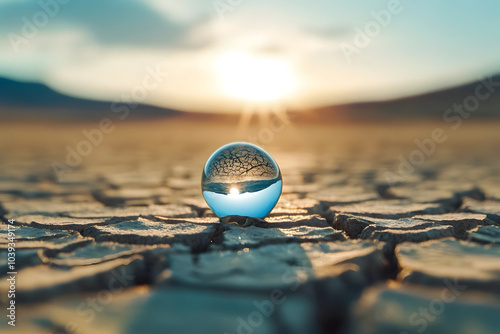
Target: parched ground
x=360, y=241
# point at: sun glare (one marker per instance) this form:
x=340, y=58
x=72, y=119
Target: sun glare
x=254, y=78
x=234, y=191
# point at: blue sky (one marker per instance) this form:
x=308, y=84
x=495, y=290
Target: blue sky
x=103, y=49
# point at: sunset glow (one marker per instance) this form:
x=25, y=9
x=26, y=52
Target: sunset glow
x=254, y=78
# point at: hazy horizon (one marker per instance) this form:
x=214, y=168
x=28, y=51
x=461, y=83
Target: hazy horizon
x=219, y=55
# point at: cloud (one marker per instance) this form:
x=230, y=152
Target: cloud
x=97, y=49
x=109, y=23
x=184, y=11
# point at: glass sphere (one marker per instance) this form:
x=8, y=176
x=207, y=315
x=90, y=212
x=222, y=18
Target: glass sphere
x=241, y=179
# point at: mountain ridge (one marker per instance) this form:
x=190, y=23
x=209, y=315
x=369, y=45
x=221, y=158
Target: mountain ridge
x=25, y=99
x=36, y=100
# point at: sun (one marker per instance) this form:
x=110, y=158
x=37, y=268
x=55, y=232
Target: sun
x=254, y=78
x=234, y=191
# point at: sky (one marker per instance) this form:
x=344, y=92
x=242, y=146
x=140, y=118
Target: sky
x=217, y=55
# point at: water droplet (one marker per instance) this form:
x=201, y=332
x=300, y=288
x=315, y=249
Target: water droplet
x=241, y=179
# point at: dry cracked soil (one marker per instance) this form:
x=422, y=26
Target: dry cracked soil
x=124, y=243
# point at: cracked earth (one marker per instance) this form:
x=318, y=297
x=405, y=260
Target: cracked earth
x=126, y=244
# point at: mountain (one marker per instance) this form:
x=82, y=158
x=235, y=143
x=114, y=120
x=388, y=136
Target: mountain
x=433, y=105
x=35, y=100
